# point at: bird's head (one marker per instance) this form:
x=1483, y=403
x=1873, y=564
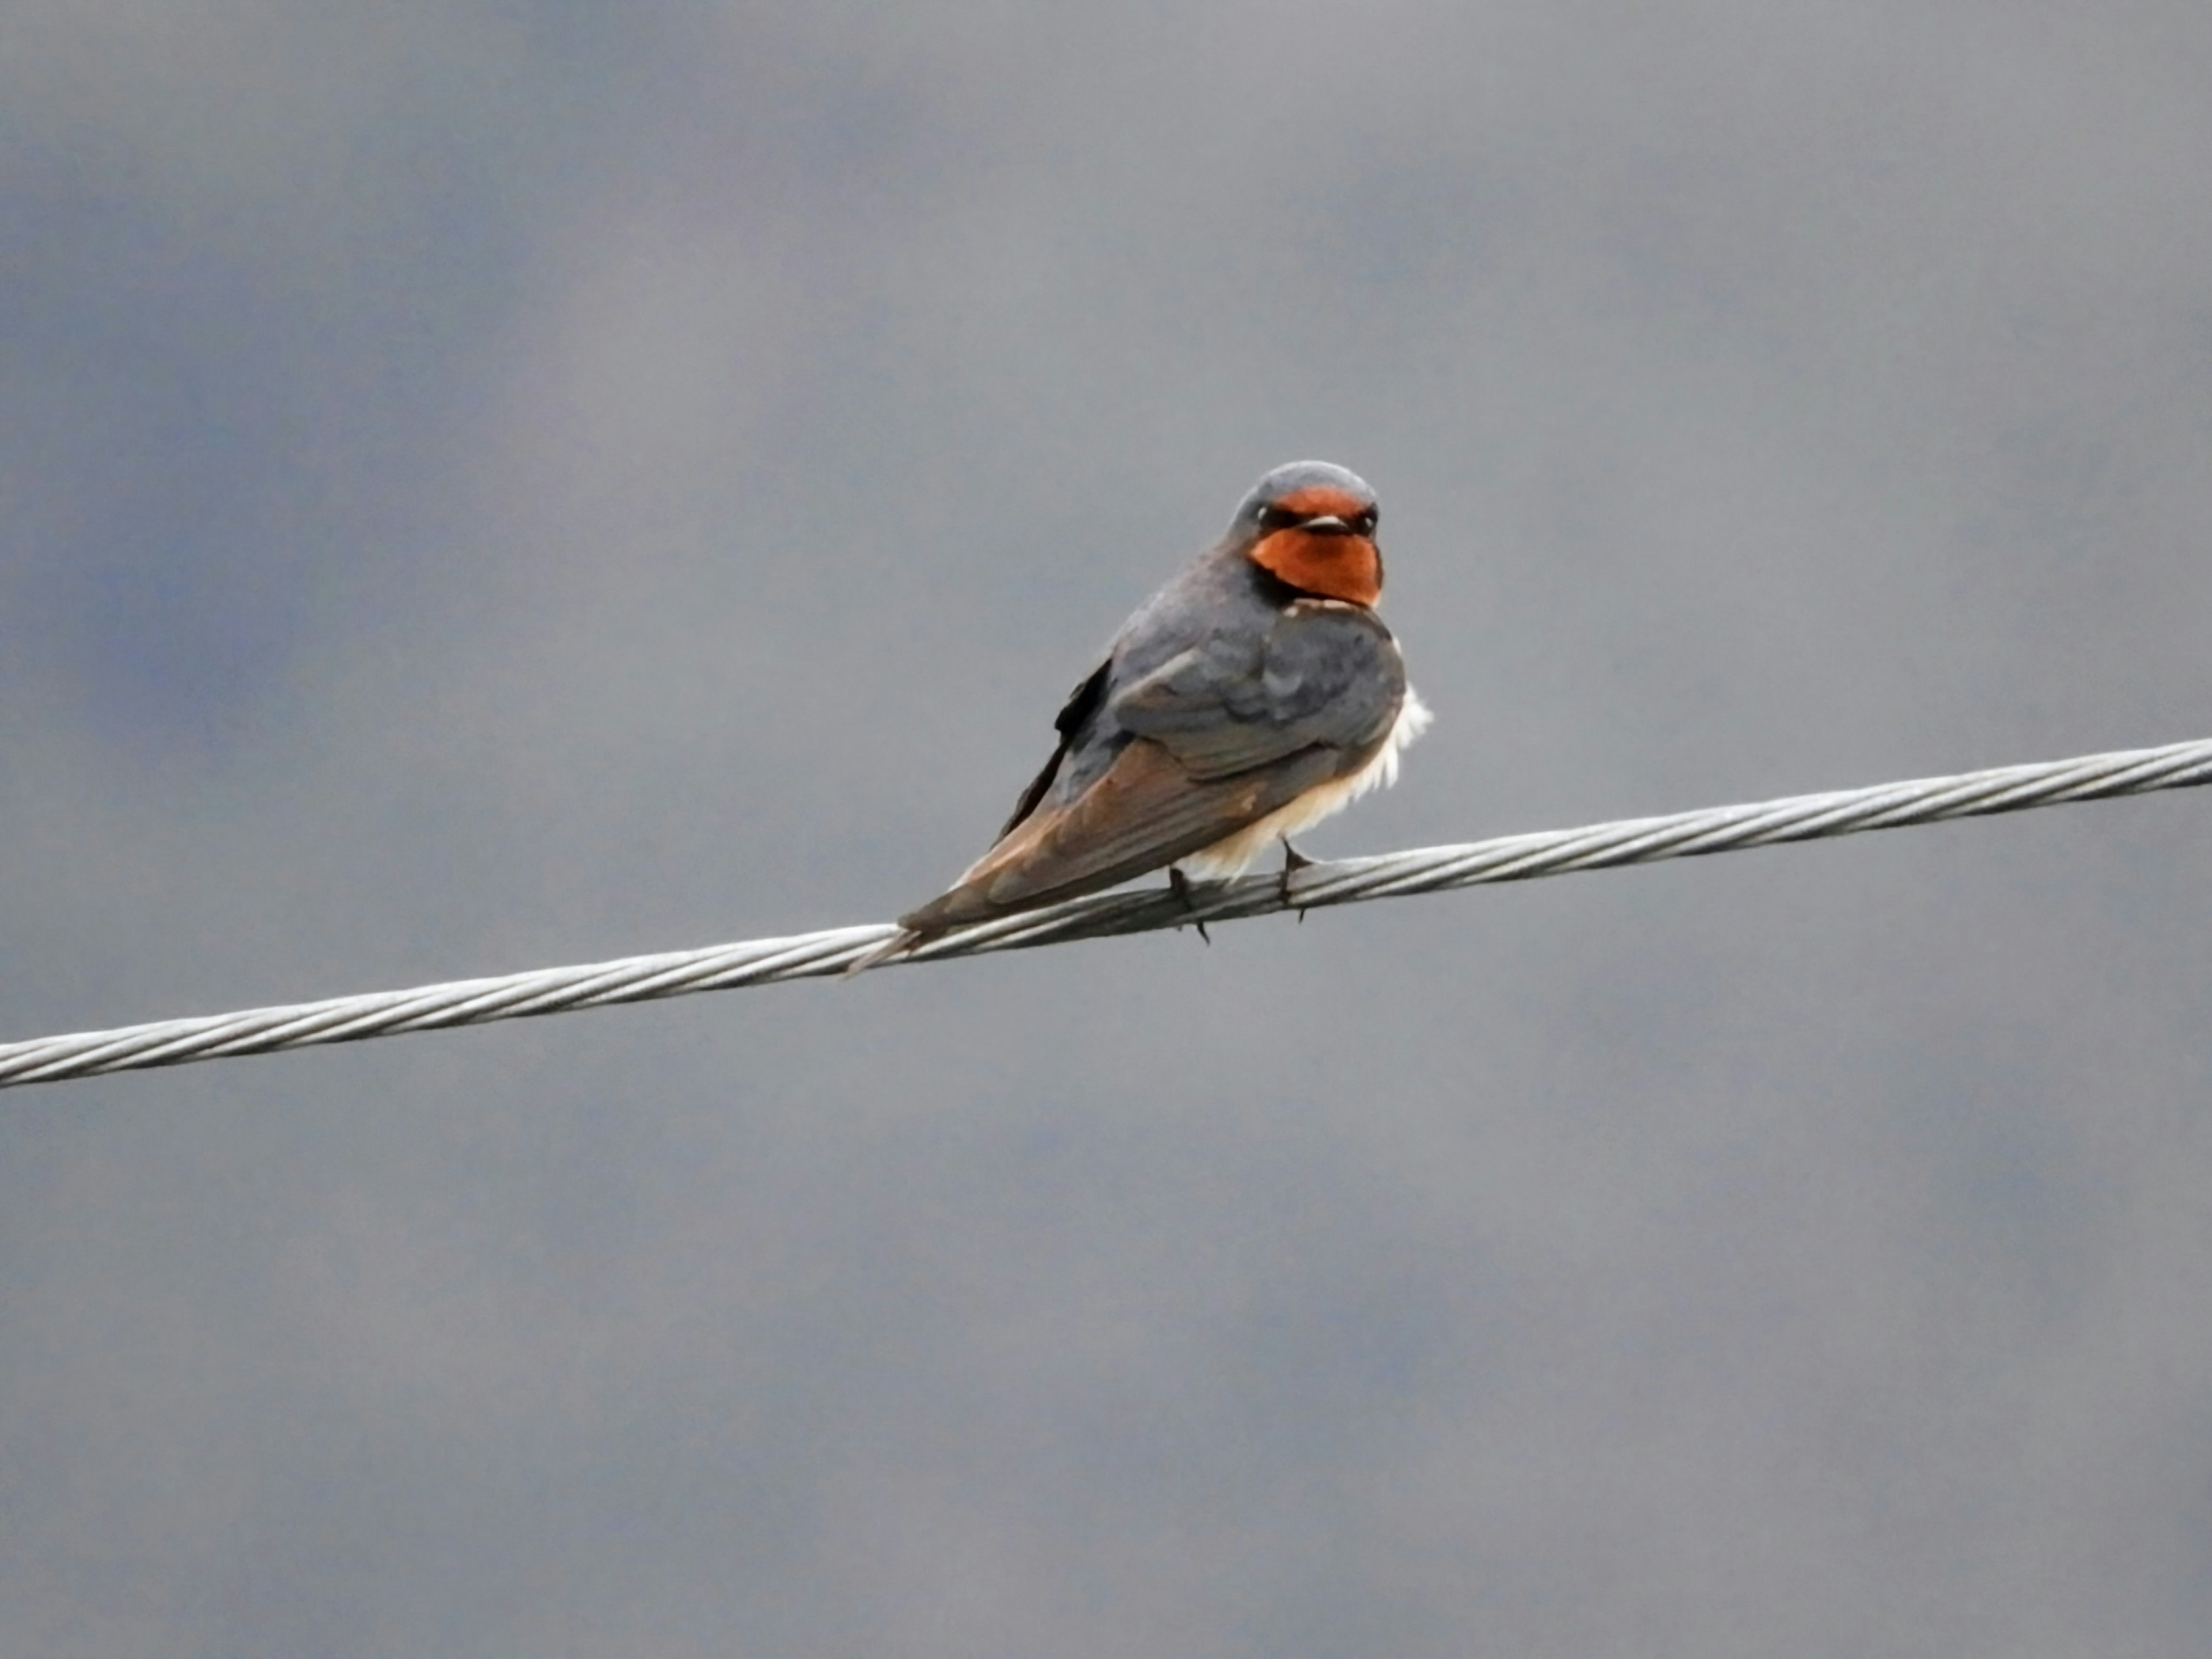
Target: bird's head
x=1311, y=524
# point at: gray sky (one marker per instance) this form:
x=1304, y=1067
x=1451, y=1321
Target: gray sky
x=486, y=486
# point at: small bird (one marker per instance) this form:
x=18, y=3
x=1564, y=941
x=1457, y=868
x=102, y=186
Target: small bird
x=1249, y=699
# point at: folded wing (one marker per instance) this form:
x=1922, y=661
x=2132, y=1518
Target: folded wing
x=1217, y=737
x=1326, y=675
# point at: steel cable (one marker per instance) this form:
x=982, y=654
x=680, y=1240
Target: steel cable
x=1348, y=881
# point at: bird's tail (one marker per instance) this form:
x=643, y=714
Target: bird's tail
x=889, y=950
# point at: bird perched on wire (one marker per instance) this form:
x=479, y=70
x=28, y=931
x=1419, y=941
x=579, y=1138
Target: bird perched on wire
x=1251, y=697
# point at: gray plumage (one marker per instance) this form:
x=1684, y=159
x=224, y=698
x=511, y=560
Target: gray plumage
x=1226, y=698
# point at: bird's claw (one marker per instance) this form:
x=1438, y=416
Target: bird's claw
x=1179, y=885
x=1293, y=862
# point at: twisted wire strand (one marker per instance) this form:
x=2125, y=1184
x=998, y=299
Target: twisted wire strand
x=1348, y=881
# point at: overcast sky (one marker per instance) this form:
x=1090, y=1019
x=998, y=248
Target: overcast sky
x=485, y=485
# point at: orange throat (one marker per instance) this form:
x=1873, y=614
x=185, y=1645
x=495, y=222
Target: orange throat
x=1333, y=567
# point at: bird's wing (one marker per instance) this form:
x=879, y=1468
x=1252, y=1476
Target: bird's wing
x=1145, y=811
x=1325, y=675
x=1217, y=737
x=1082, y=703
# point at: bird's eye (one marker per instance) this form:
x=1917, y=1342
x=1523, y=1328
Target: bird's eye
x=1364, y=523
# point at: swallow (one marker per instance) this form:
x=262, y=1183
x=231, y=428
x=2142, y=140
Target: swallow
x=1254, y=695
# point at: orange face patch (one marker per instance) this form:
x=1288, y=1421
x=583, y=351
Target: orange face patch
x=1337, y=567
x=1322, y=500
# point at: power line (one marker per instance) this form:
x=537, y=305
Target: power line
x=1348, y=881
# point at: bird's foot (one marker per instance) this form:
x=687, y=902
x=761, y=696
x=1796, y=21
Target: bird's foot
x=1293, y=862
x=1179, y=885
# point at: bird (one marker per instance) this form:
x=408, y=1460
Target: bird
x=1252, y=696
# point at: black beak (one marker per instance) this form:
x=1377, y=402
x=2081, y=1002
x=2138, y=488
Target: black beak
x=1327, y=525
